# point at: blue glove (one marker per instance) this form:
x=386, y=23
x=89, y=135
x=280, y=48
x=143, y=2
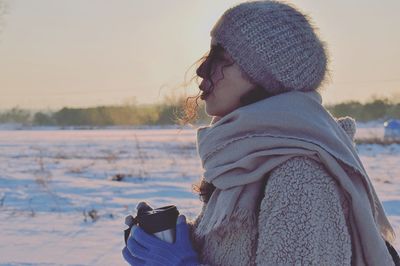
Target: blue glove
x=146, y=249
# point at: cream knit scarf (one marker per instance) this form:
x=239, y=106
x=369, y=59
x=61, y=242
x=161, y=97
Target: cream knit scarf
x=242, y=147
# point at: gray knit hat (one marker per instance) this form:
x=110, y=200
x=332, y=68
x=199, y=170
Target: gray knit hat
x=271, y=40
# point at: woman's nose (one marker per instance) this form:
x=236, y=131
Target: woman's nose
x=201, y=69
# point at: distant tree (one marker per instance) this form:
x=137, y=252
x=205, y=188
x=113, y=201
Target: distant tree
x=351, y=108
x=172, y=109
x=376, y=109
x=393, y=111
x=15, y=115
x=68, y=116
x=42, y=119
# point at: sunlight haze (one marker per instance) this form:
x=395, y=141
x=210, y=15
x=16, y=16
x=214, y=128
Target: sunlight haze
x=56, y=53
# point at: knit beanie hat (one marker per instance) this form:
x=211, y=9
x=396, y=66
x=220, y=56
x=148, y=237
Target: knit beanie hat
x=271, y=40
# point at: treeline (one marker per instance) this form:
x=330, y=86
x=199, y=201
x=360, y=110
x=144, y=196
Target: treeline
x=372, y=110
x=168, y=114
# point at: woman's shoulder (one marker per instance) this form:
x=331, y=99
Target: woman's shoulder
x=304, y=178
x=301, y=170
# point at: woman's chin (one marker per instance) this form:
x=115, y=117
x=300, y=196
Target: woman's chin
x=210, y=111
x=213, y=112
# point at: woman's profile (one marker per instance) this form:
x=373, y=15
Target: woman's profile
x=282, y=181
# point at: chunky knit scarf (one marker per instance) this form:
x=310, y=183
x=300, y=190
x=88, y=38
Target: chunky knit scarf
x=239, y=149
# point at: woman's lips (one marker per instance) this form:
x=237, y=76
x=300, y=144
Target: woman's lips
x=203, y=88
x=204, y=95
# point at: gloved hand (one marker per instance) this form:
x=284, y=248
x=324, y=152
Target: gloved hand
x=146, y=249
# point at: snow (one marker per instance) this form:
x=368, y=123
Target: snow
x=59, y=204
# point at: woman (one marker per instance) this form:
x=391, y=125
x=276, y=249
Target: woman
x=282, y=184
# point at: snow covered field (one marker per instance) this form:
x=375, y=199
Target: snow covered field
x=59, y=204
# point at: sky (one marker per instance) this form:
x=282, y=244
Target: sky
x=81, y=53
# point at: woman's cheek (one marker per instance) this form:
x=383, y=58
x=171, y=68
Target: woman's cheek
x=218, y=76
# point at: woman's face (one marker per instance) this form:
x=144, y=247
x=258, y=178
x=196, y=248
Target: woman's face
x=229, y=83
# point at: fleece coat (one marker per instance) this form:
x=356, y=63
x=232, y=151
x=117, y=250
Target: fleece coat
x=301, y=221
